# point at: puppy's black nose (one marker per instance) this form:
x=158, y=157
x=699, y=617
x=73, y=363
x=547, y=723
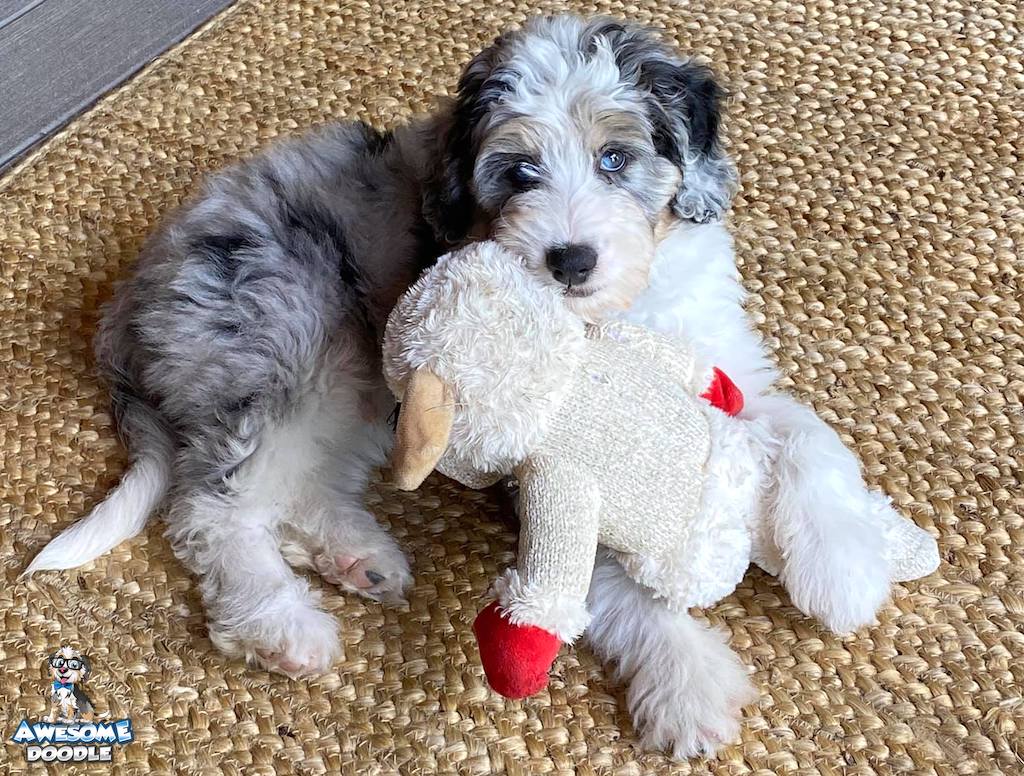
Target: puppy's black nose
x=572, y=264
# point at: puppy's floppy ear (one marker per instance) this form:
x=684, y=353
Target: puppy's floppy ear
x=448, y=202
x=686, y=111
x=684, y=104
x=424, y=425
x=86, y=667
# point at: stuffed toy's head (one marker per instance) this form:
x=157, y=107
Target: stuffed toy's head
x=481, y=355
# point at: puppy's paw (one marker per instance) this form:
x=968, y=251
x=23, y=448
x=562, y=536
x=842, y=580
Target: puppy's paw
x=308, y=646
x=288, y=634
x=379, y=571
x=842, y=579
x=379, y=578
x=350, y=550
x=690, y=706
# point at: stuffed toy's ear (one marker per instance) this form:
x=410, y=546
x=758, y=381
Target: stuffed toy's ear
x=424, y=424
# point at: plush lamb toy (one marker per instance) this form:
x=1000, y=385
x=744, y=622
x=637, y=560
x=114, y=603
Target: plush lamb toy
x=616, y=435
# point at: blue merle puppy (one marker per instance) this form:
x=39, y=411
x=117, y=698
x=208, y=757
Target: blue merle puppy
x=243, y=351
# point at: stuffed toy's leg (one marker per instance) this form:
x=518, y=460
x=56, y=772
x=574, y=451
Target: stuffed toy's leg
x=686, y=687
x=541, y=604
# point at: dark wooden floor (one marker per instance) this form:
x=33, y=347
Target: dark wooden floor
x=57, y=57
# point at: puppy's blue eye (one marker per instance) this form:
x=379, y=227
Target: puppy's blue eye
x=524, y=172
x=612, y=161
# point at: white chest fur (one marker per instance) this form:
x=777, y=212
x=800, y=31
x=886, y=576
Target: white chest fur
x=695, y=293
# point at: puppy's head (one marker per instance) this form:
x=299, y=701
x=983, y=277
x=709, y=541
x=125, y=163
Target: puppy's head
x=68, y=665
x=575, y=142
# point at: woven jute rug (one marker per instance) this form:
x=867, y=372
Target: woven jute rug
x=880, y=228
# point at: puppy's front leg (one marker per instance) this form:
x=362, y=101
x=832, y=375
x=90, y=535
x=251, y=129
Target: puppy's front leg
x=823, y=518
x=686, y=687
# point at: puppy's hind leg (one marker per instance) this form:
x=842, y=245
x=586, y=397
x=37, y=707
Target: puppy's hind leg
x=331, y=531
x=353, y=551
x=347, y=546
x=239, y=480
x=686, y=687
x=256, y=607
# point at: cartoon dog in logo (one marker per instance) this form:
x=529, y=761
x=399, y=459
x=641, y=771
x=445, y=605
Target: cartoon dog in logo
x=69, y=703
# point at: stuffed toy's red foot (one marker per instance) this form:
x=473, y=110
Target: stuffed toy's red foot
x=516, y=658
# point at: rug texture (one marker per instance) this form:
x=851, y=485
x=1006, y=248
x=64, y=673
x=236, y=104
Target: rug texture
x=879, y=227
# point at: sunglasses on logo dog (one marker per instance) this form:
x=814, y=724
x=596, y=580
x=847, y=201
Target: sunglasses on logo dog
x=72, y=663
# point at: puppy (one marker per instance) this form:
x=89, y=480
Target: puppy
x=243, y=353
x=68, y=701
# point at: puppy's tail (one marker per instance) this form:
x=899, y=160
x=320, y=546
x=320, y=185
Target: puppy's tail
x=126, y=509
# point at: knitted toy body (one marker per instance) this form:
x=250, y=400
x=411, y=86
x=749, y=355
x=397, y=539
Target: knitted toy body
x=632, y=476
